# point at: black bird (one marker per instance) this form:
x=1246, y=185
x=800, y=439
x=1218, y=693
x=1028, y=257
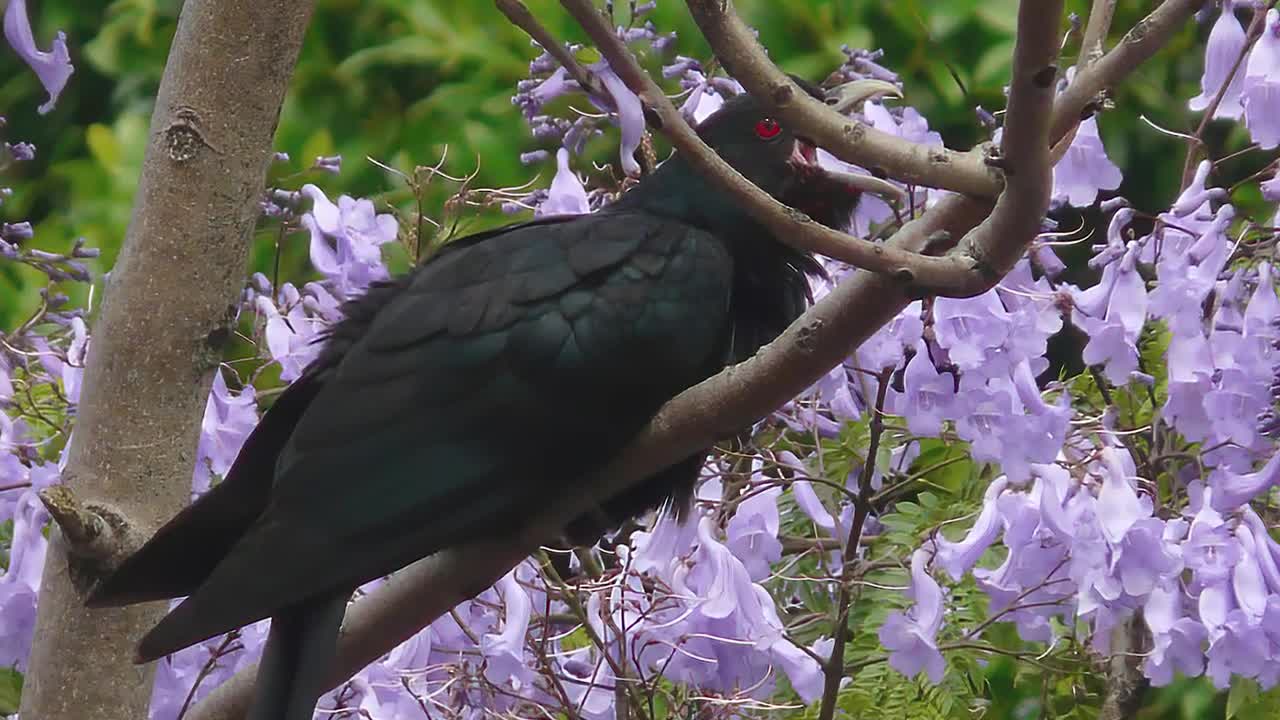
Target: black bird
x=453, y=401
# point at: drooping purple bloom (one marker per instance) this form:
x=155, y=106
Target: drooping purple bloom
x=1186, y=278
x=630, y=116
x=959, y=557
x=53, y=67
x=1210, y=550
x=1119, y=506
x=929, y=394
x=504, y=651
x=567, y=195
x=1177, y=639
x=1261, y=88
x=1112, y=314
x=752, y=532
x=1226, y=42
x=912, y=637
x=1238, y=649
x=228, y=420
x=20, y=584
x=1231, y=489
x=1085, y=168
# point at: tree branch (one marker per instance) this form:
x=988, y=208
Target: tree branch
x=169, y=309
x=833, y=672
x=1138, y=45
x=1093, y=45
x=700, y=416
x=952, y=275
x=519, y=15
x=1126, y=683
x=1002, y=238
x=850, y=140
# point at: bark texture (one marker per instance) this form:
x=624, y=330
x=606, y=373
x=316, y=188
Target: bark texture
x=168, y=310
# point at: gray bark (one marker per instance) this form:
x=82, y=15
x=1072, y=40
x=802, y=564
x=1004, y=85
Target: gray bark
x=167, y=313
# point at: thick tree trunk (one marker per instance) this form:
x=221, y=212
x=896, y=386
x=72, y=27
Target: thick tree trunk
x=167, y=314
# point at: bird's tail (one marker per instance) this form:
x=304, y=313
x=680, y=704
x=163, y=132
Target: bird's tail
x=298, y=659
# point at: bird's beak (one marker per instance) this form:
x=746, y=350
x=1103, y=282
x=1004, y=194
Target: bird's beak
x=804, y=158
x=843, y=98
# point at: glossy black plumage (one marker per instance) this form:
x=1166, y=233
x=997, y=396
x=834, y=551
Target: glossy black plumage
x=453, y=402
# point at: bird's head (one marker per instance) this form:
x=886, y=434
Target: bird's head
x=781, y=163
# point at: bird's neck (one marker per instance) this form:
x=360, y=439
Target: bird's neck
x=675, y=190
x=770, y=287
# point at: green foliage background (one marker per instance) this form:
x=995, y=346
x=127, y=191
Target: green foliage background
x=399, y=80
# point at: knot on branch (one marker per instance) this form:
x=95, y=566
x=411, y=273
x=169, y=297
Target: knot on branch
x=182, y=138
x=96, y=535
x=938, y=242
x=1044, y=77
x=806, y=333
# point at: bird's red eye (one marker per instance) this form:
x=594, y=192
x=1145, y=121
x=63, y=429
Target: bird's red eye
x=768, y=129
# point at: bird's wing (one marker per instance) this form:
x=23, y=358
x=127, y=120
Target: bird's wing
x=185, y=550
x=493, y=380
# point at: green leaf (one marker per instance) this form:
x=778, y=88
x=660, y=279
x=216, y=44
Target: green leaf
x=1246, y=701
x=587, y=55
x=102, y=143
x=10, y=690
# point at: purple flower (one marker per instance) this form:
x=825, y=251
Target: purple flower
x=630, y=115
x=808, y=501
x=1210, y=550
x=753, y=531
x=970, y=329
x=929, y=394
x=1143, y=558
x=1231, y=489
x=328, y=163
x=20, y=584
x=1261, y=87
x=347, y=240
x=504, y=651
x=567, y=195
x=1119, y=506
x=1238, y=649
x=1112, y=314
x=1190, y=366
x=1226, y=42
x=1085, y=168
x=1247, y=581
x=291, y=337
x=911, y=637
x=53, y=67
x=1177, y=639
x=1186, y=278
x=957, y=558
x=228, y=420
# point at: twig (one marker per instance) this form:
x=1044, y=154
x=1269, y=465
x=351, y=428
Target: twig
x=1093, y=44
x=1003, y=237
x=834, y=670
x=520, y=16
x=1138, y=45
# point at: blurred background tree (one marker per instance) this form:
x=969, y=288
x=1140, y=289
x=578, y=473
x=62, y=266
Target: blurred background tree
x=399, y=80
